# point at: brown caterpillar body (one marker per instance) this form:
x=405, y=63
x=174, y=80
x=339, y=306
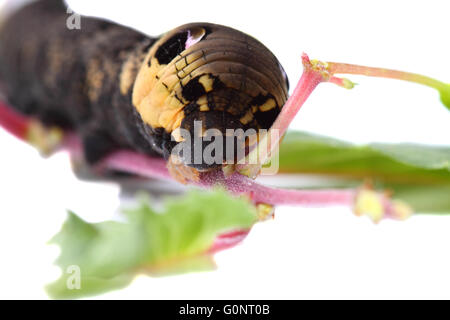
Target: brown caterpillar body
x=118, y=88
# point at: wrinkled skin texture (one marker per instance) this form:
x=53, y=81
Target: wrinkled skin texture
x=120, y=89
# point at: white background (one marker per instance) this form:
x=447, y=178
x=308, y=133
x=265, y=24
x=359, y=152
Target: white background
x=303, y=253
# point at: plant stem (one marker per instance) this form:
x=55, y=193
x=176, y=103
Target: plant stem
x=345, y=68
x=13, y=122
x=310, y=79
x=30, y=130
x=228, y=240
x=314, y=73
x=136, y=163
x=363, y=201
x=150, y=167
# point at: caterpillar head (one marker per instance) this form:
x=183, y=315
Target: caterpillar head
x=203, y=78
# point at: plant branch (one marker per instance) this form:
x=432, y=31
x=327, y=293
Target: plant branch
x=313, y=74
x=345, y=68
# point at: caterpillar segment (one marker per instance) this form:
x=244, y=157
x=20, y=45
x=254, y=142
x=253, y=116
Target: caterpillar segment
x=118, y=88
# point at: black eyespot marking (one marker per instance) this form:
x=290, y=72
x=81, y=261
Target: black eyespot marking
x=265, y=119
x=193, y=89
x=171, y=48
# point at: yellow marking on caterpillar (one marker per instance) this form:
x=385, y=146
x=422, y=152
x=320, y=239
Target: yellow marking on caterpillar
x=172, y=102
x=55, y=57
x=191, y=67
x=181, y=74
x=128, y=75
x=153, y=97
x=207, y=82
x=171, y=81
x=185, y=81
x=167, y=70
x=268, y=105
x=176, y=134
x=145, y=80
x=178, y=120
x=167, y=117
x=202, y=100
x=204, y=107
x=157, y=92
x=191, y=57
x=180, y=64
x=95, y=77
x=247, y=117
x=158, y=89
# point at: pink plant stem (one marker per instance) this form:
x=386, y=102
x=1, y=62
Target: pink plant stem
x=228, y=240
x=269, y=142
x=241, y=185
x=237, y=184
x=309, y=80
x=139, y=164
x=13, y=122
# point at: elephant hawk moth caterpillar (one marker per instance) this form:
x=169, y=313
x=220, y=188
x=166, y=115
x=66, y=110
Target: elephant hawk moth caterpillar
x=127, y=97
x=118, y=88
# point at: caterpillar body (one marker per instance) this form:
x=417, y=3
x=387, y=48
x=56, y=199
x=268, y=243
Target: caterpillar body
x=118, y=88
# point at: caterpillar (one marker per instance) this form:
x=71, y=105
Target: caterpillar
x=118, y=88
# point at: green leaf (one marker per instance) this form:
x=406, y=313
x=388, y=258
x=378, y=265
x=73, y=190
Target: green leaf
x=110, y=254
x=420, y=156
x=418, y=174
x=434, y=198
